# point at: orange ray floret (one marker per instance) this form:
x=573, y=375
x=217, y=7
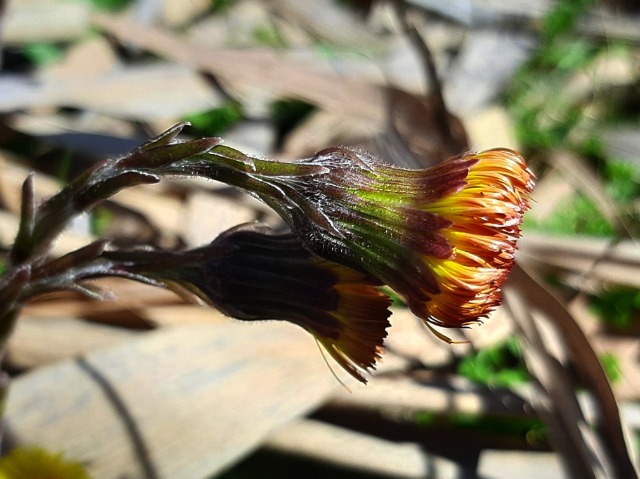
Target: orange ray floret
x=444, y=238
x=485, y=216
x=361, y=321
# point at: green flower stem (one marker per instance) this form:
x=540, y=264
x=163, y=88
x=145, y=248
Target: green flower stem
x=278, y=184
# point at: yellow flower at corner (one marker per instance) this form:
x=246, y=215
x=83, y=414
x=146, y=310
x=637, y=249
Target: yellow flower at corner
x=38, y=463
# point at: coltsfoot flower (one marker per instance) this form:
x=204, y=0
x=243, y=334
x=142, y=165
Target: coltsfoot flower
x=444, y=238
x=252, y=274
x=34, y=463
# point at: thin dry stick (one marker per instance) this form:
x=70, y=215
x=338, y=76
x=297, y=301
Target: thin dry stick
x=586, y=363
x=441, y=113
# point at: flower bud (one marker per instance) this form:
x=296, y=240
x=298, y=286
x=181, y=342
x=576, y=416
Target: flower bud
x=253, y=274
x=444, y=238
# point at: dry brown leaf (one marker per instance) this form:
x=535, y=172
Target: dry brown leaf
x=270, y=71
x=327, y=21
x=600, y=452
x=206, y=215
x=44, y=21
x=402, y=397
x=420, y=132
x=177, y=402
x=599, y=259
x=143, y=92
x=364, y=453
x=126, y=295
x=38, y=342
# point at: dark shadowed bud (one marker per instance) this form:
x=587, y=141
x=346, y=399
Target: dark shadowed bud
x=252, y=274
x=444, y=238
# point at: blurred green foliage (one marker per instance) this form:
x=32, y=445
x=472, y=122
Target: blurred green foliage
x=576, y=215
x=579, y=215
x=562, y=18
x=611, y=366
x=63, y=171
x=42, y=53
x=623, y=180
x=618, y=308
x=269, y=37
x=110, y=5
x=549, y=115
x=100, y=220
x=532, y=429
x=219, y=6
x=286, y=114
x=216, y=121
x=500, y=365
x=544, y=115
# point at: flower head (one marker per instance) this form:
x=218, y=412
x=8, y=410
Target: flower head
x=444, y=238
x=485, y=216
x=34, y=462
x=252, y=274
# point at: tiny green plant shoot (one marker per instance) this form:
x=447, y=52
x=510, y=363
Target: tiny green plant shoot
x=443, y=239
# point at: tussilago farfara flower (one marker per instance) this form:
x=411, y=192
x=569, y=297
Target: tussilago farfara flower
x=252, y=274
x=444, y=238
x=36, y=463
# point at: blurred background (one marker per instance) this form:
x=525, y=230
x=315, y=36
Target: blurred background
x=145, y=386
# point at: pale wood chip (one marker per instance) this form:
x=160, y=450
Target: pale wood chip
x=400, y=398
x=181, y=315
x=145, y=92
x=44, y=21
x=499, y=464
x=364, y=453
x=270, y=71
x=180, y=402
x=178, y=13
x=323, y=19
x=90, y=58
x=491, y=128
x=67, y=241
x=207, y=215
x=38, y=342
x=551, y=190
x=125, y=295
x=409, y=338
x=164, y=211
x=601, y=259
